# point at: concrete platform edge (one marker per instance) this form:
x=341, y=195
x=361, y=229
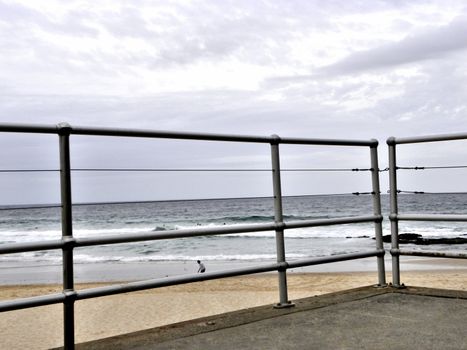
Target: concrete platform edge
x=245, y=316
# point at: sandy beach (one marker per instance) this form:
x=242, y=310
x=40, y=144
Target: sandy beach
x=41, y=328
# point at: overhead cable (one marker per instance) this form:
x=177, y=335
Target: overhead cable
x=185, y=170
x=432, y=167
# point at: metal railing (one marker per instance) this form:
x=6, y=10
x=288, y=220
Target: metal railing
x=395, y=216
x=68, y=242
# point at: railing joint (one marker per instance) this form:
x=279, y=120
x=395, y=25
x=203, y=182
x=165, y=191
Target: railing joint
x=275, y=139
x=64, y=128
x=69, y=242
x=379, y=219
x=279, y=226
x=395, y=251
x=70, y=295
x=282, y=266
x=391, y=141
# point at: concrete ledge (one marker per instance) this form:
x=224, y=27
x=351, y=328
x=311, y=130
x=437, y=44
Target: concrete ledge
x=161, y=337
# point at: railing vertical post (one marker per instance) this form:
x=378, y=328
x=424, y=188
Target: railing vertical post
x=377, y=211
x=278, y=218
x=67, y=234
x=393, y=213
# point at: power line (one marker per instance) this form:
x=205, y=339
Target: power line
x=413, y=192
x=231, y=169
x=186, y=170
x=432, y=167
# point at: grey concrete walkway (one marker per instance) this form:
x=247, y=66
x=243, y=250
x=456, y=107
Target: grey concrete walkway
x=363, y=318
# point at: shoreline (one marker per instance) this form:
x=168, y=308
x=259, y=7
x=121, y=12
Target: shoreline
x=109, y=272
x=42, y=327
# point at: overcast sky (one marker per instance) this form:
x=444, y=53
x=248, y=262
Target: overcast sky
x=326, y=69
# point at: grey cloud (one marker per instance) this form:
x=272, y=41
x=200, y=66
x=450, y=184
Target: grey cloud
x=420, y=47
x=244, y=37
x=434, y=100
x=23, y=18
x=216, y=30
x=127, y=22
x=432, y=44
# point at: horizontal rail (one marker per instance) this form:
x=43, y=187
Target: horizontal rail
x=91, y=131
x=29, y=128
x=10, y=248
x=24, y=303
x=332, y=221
x=215, y=137
x=429, y=217
x=329, y=142
x=334, y=258
x=172, y=234
x=171, y=281
x=435, y=254
x=124, y=238
x=429, y=138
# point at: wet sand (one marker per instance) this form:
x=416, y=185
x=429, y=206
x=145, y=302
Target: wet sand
x=41, y=328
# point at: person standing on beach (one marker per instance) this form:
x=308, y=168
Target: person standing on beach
x=201, y=268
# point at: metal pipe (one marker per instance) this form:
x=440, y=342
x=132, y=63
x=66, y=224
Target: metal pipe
x=10, y=248
x=333, y=221
x=209, y=231
x=334, y=258
x=67, y=235
x=326, y=142
x=430, y=138
x=433, y=254
x=172, y=234
x=170, y=281
x=212, y=137
x=80, y=130
x=431, y=217
x=393, y=213
x=278, y=218
x=377, y=212
x=28, y=128
x=23, y=303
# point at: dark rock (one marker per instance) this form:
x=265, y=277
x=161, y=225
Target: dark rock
x=404, y=238
x=451, y=240
x=414, y=238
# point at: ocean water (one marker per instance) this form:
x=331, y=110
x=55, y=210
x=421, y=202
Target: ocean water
x=34, y=225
